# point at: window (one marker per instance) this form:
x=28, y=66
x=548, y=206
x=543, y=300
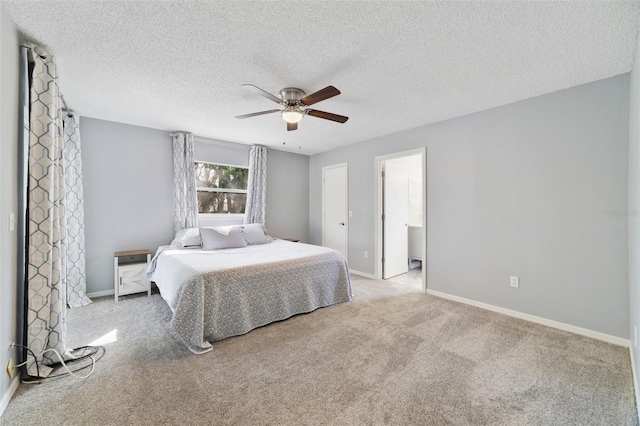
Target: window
x=221, y=189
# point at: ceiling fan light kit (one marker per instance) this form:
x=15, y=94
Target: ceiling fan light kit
x=292, y=114
x=294, y=100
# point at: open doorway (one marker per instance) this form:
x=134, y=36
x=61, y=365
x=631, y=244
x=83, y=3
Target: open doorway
x=401, y=218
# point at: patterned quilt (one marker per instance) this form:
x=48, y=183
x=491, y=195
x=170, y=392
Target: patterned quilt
x=215, y=294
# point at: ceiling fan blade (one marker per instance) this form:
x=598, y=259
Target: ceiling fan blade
x=253, y=114
x=266, y=94
x=320, y=95
x=327, y=115
x=292, y=126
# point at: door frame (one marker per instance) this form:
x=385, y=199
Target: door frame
x=380, y=209
x=346, y=204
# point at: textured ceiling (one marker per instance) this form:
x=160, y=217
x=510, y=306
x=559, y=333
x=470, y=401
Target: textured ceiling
x=179, y=64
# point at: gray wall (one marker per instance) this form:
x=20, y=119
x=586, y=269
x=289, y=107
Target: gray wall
x=9, y=54
x=221, y=152
x=287, y=200
x=518, y=190
x=634, y=203
x=128, y=188
x=127, y=193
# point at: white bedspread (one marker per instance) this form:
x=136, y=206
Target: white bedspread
x=221, y=293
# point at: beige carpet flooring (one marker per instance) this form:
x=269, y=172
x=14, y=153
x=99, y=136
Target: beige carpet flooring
x=392, y=356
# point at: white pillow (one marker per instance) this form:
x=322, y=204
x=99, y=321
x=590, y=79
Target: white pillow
x=254, y=233
x=214, y=240
x=190, y=237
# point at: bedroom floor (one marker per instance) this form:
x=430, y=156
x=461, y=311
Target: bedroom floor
x=392, y=356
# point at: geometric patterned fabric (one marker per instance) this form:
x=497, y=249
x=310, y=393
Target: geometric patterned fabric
x=74, y=214
x=46, y=253
x=184, y=182
x=257, y=187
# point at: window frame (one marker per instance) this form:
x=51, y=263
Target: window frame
x=227, y=190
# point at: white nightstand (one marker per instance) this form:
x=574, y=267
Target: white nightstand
x=128, y=272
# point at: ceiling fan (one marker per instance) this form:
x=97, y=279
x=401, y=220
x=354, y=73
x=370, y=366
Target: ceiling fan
x=294, y=101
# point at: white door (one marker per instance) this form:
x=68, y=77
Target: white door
x=335, y=201
x=395, y=194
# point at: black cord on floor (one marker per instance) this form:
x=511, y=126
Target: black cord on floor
x=80, y=354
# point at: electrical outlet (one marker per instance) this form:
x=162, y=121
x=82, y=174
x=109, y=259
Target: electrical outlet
x=11, y=368
x=515, y=282
x=366, y=254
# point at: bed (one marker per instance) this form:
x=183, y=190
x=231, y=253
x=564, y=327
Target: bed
x=215, y=294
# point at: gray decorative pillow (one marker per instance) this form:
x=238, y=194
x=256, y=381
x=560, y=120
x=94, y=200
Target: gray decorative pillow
x=214, y=240
x=254, y=233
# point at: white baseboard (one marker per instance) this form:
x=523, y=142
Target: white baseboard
x=9, y=393
x=539, y=320
x=100, y=293
x=635, y=378
x=362, y=274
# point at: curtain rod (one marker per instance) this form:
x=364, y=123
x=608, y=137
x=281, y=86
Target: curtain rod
x=229, y=144
x=66, y=108
x=206, y=139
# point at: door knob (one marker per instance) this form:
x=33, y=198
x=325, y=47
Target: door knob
x=341, y=223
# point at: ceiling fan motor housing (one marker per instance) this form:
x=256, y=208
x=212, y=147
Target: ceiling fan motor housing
x=291, y=95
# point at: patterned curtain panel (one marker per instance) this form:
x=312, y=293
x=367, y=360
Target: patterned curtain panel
x=74, y=209
x=257, y=187
x=46, y=268
x=184, y=182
